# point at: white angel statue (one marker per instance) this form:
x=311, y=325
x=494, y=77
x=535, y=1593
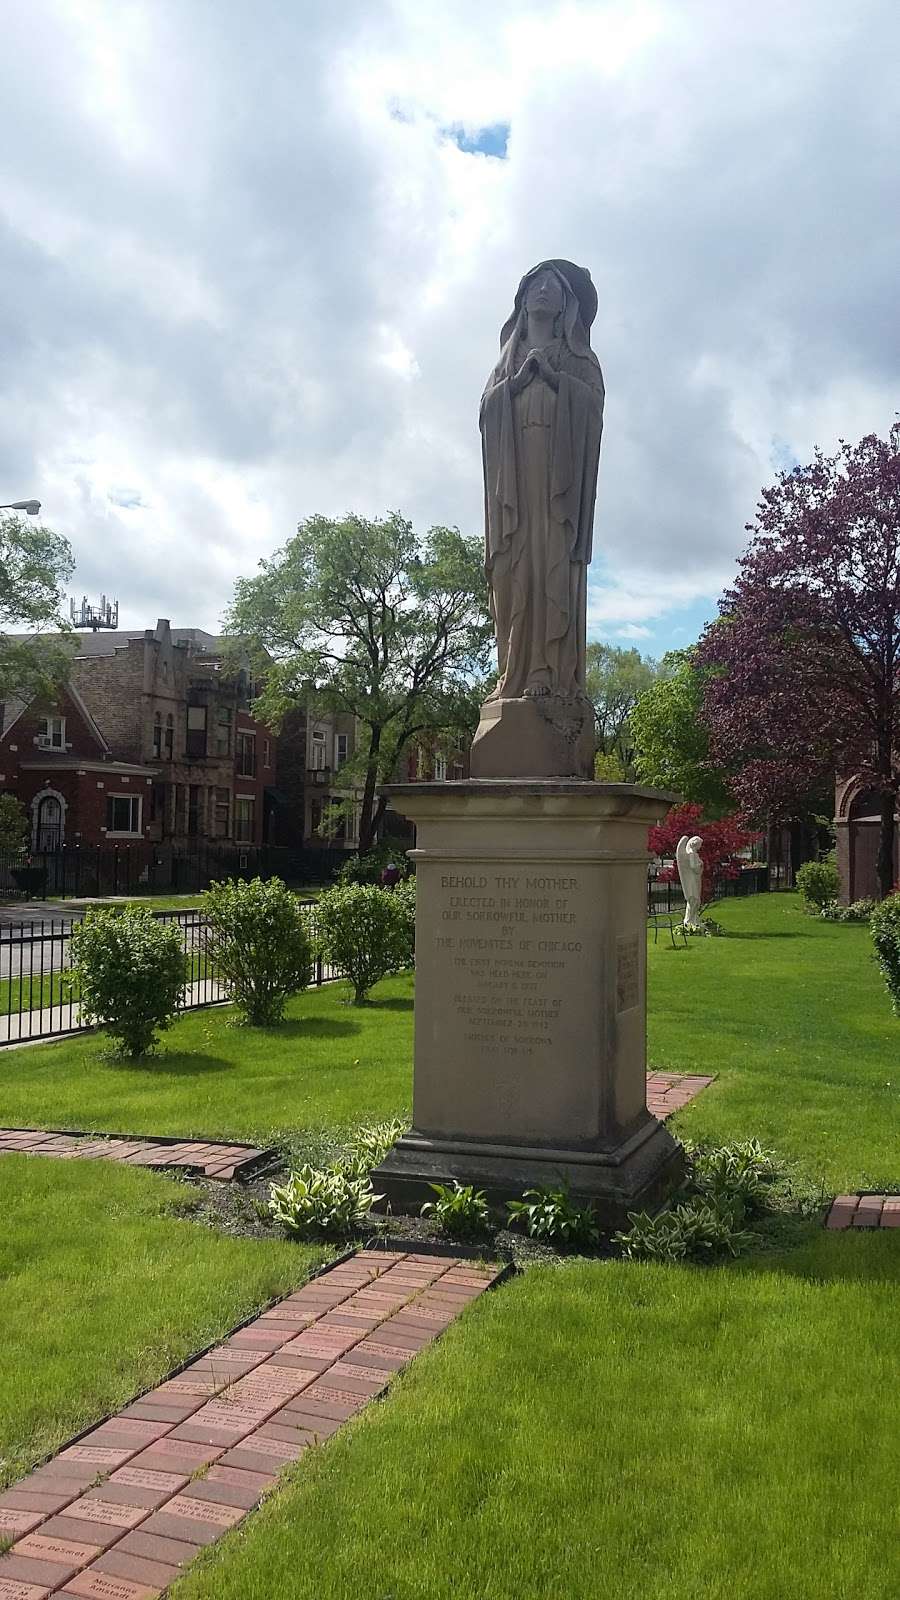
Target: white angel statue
x=690, y=871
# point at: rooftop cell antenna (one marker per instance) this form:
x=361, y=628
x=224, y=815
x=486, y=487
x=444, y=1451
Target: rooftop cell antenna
x=106, y=615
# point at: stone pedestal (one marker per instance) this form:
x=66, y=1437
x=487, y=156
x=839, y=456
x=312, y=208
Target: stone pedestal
x=543, y=737
x=530, y=1063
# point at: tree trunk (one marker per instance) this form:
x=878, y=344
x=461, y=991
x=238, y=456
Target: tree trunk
x=886, y=843
x=368, y=821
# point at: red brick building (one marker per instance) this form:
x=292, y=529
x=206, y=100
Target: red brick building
x=150, y=742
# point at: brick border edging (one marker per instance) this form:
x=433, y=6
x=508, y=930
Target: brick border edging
x=866, y=1208
x=189, y=1459
x=250, y=1164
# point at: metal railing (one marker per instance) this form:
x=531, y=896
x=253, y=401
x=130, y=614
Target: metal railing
x=39, y=996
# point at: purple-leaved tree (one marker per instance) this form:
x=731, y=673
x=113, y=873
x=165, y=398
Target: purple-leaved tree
x=805, y=655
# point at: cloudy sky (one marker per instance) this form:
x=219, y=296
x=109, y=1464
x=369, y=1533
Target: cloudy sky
x=254, y=260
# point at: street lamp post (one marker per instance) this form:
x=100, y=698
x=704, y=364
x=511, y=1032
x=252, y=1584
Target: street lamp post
x=31, y=506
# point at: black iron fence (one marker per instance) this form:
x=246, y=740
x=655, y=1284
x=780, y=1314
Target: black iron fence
x=39, y=997
x=665, y=894
x=92, y=871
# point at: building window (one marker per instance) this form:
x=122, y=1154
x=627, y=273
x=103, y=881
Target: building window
x=170, y=737
x=246, y=755
x=52, y=733
x=340, y=750
x=267, y=752
x=222, y=813
x=420, y=763
x=157, y=737
x=440, y=768
x=194, y=798
x=244, y=819
x=316, y=810
x=123, y=813
x=158, y=803
x=223, y=730
x=318, y=760
x=196, y=731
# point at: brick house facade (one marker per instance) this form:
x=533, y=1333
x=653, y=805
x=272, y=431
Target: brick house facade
x=150, y=742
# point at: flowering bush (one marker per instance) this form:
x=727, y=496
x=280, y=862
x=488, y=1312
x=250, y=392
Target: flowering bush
x=723, y=840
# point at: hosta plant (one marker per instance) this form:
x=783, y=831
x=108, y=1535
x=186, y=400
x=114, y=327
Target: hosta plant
x=698, y=1230
x=735, y=1177
x=370, y=1145
x=324, y=1200
x=460, y=1210
x=549, y=1215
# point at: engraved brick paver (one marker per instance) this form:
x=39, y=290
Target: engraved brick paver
x=668, y=1092
x=119, y=1514
x=864, y=1211
x=221, y=1161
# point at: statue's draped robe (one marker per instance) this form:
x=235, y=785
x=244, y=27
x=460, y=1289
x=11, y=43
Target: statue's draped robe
x=541, y=449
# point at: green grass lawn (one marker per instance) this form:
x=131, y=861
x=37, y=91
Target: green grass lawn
x=156, y=902
x=106, y=1286
x=329, y=1064
x=604, y=1429
x=793, y=1015
x=599, y=1428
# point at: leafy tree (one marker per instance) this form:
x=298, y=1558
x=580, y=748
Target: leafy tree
x=13, y=823
x=723, y=840
x=804, y=669
x=35, y=564
x=366, y=617
x=671, y=744
x=616, y=679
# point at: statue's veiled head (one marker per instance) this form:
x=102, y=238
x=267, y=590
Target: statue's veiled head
x=560, y=289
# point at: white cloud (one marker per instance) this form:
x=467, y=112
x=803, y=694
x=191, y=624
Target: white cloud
x=246, y=277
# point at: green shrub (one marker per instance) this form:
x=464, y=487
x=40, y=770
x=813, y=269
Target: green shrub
x=326, y=1200
x=14, y=829
x=259, y=945
x=818, y=882
x=698, y=1230
x=369, y=867
x=131, y=970
x=364, y=932
x=549, y=1215
x=885, y=926
x=405, y=895
x=460, y=1209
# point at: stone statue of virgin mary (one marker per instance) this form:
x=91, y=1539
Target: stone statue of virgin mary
x=541, y=419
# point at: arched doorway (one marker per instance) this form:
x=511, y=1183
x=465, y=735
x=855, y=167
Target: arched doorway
x=49, y=819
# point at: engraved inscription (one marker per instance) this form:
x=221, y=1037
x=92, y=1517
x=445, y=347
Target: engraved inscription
x=627, y=972
x=512, y=943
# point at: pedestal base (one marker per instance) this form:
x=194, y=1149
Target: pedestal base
x=546, y=737
x=636, y=1176
x=531, y=945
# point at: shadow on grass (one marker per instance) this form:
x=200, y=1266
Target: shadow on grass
x=731, y=934
x=391, y=1003
x=312, y=1028
x=174, y=1064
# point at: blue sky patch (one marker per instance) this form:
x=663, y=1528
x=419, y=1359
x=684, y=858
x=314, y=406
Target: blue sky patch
x=490, y=141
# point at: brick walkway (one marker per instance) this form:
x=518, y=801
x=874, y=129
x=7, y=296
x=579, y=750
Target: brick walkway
x=223, y=1161
x=667, y=1092
x=864, y=1211
x=118, y=1515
